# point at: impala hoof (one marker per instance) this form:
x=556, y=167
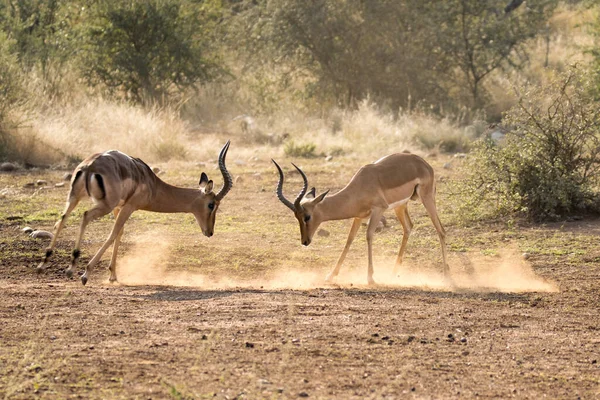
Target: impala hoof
x=83, y=279
x=40, y=269
x=69, y=273
x=371, y=282
x=448, y=281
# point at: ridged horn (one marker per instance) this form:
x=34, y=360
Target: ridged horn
x=280, y=195
x=227, y=180
x=304, y=188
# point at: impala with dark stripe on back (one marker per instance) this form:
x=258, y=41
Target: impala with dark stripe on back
x=122, y=184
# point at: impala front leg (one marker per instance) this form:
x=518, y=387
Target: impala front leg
x=351, y=236
x=113, y=259
x=124, y=215
x=96, y=212
x=376, y=214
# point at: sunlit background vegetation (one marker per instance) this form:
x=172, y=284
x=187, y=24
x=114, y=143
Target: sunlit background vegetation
x=514, y=84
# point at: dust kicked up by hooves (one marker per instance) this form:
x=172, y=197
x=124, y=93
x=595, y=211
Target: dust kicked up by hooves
x=145, y=264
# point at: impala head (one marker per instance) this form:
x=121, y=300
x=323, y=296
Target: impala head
x=305, y=207
x=206, y=205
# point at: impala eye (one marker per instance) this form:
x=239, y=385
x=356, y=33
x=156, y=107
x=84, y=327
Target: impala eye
x=211, y=206
x=306, y=218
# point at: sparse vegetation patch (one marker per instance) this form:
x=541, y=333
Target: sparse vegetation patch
x=548, y=165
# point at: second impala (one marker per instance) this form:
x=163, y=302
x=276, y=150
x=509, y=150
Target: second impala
x=387, y=183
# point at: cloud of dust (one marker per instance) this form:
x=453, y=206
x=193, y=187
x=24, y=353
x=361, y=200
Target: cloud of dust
x=507, y=272
x=145, y=264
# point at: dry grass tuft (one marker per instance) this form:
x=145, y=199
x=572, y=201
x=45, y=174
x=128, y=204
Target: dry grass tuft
x=364, y=133
x=98, y=125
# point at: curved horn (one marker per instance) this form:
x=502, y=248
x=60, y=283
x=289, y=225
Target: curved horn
x=280, y=195
x=227, y=180
x=304, y=189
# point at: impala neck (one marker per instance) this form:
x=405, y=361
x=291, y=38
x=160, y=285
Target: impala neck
x=172, y=199
x=339, y=206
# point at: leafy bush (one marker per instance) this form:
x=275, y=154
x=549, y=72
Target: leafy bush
x=548, y=165
x=149, y=50
x=305, y=150
x=440, y=53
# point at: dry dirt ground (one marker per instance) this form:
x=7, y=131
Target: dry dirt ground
x=246, y=314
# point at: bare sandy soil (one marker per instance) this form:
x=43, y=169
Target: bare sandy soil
x=246, y=314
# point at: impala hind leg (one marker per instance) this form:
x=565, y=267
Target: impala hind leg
x=407, y=225
x=429, y=203
x=123, y=216
x=376, y=214
x=97, y=211
x=351, y=236
x=113, y=259
x=73, y=199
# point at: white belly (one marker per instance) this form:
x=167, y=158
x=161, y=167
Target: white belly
x=398, y=203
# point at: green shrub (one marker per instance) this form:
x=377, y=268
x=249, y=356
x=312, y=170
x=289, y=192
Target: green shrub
x=548, y=165
x=149, y=51
x=305, y=150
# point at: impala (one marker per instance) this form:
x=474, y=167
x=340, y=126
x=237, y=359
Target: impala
x=119, y=183
x=387, y=183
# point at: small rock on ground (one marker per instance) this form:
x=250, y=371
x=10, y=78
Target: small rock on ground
x=8, y=167
x=41, y=235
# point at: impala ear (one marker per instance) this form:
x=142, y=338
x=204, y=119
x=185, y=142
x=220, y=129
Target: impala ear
x=311, y=194
x=208, y=188
x=203, y=180
x=320, y=198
